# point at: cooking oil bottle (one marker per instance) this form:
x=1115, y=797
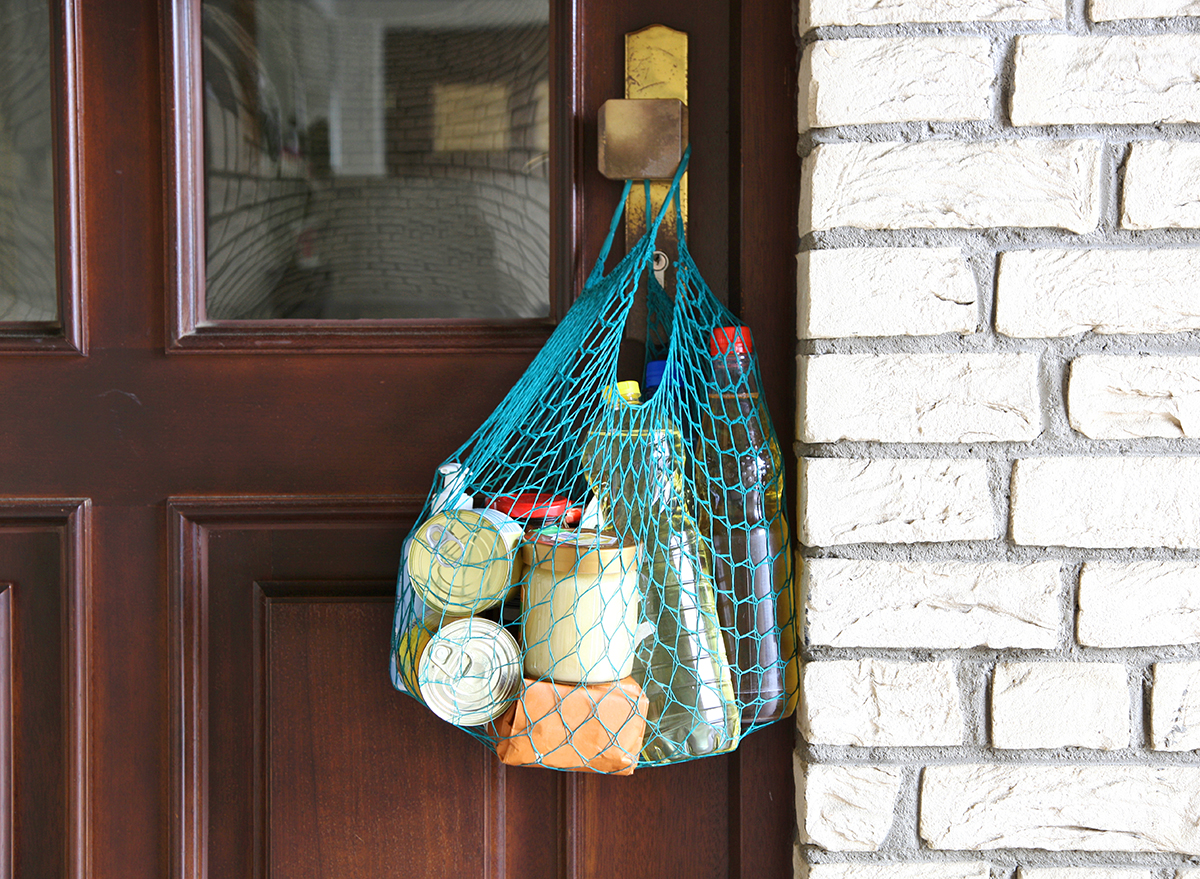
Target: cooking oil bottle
x=636, y=469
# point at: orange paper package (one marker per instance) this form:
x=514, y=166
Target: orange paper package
x=588, y=727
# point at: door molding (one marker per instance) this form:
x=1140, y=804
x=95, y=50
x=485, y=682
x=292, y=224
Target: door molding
x=68, y=334
x=71, y=519
x=190, y=524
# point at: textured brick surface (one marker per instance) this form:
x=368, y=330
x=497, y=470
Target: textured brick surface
x=1107, y=501
x=1118, y=397
x=1063, y=79
x=951, y=185
x=1175, y=706
x=1162, y=186
x=884, y=291
x=848, y=808
x=857, y=82
x=862, y=603
x=1060, y=808
x=894, y=501
x=870, y=702
x=1048, y=293
x=815, y=13
x=938, y=398
x=1060, y=704
x=1111, y=10
x=1139, y=604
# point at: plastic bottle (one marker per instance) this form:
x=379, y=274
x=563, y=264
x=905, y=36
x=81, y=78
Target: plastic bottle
x=744, y=487
x=636, y=471
x=654, y=376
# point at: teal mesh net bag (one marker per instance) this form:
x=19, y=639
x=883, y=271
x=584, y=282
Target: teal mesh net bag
x=601, y=577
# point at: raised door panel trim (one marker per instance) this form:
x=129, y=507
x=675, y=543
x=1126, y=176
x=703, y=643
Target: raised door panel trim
x=67, y=335
x=71, y=518
x=192, y=523
x=188, y=329
x=337, y=782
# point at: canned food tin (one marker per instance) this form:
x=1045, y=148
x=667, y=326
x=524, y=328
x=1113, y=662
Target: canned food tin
x=465, y=561
x=411, y=647
x=581, y=607
x=470, y=671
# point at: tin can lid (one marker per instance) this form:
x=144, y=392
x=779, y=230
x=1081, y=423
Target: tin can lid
x=470, y=671
x=531, y=505
x=726, y=338
x=461, y=561
x=589, y=552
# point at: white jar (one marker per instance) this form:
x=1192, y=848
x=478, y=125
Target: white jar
x=581, y=607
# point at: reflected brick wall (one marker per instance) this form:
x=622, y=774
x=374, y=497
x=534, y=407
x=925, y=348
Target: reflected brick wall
x=461, y=231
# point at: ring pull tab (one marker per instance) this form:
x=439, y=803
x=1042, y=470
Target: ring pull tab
x=442, y=655
x=437, y=535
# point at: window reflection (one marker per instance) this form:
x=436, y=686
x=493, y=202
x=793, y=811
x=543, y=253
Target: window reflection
x=28, y=283
x=375, y=159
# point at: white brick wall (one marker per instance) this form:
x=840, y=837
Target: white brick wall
x=952, y=185
x=884, y=291
x=857, y=82
x=870, y=702
x=1063, y=79
x=998, y=413
x=1060, y=704
x=1053, y=292
x=1162, y=186
x=1061, y=808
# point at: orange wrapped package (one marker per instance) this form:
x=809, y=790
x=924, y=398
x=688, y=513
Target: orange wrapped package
x=588, y=727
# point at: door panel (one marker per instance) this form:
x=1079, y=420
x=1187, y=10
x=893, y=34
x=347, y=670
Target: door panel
x=43, y=650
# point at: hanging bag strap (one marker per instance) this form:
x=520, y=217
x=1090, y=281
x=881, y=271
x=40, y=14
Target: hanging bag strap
x=652, y=232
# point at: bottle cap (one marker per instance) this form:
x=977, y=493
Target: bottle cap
x=531, y=505
x=724, y=338
x=654, y=373
x=631, y=391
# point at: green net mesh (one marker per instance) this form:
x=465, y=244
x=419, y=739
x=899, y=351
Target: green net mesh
x=601, y=577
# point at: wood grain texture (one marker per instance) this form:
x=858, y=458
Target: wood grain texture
x=44, y=662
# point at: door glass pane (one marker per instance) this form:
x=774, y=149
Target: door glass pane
x=376, y=158
x=28, y=284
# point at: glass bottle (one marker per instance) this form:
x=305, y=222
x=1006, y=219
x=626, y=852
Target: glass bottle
x=744, y=488
x=636, y=471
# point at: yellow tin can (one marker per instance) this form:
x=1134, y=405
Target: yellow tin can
x=462, y=562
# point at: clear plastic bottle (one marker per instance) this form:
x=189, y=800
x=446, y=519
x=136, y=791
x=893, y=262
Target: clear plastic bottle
x=635, y=470
x=744, y=487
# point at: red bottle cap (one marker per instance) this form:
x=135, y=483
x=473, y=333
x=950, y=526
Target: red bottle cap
x=724, y=338
x=530, y=505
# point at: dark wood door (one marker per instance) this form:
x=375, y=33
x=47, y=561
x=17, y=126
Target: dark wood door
x=200, y=523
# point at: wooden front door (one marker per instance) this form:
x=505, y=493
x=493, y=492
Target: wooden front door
x=200, y=522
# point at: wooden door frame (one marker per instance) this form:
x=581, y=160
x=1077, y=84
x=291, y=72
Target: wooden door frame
x=118, y=95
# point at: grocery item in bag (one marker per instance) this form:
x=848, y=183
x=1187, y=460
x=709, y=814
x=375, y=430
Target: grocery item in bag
x=744, y=487
x=463, y=561
x=637, y=474
x=470, y=671
x=580, y=608
x=591, y=728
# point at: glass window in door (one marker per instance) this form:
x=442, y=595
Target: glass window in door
x=376, y=159
x=28, y=280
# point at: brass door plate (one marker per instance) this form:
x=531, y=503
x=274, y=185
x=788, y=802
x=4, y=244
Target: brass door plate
x=642, y=139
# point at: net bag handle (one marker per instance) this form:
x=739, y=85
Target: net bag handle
x=646, y=242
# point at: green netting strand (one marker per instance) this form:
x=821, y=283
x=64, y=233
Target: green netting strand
x=601, y=578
